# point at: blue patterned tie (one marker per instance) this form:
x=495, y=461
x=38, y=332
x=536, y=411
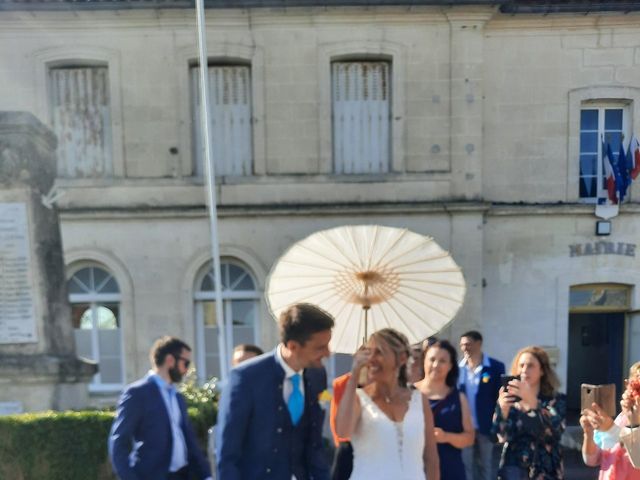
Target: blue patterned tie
x=296, y=400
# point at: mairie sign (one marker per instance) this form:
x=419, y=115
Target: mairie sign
x=602, y=248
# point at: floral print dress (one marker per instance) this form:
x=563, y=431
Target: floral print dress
x=532, y=439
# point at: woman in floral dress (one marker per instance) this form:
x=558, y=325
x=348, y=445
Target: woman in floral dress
x=529, y=420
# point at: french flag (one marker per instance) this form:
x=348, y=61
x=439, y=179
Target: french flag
x=609, y=176
x=633, y=157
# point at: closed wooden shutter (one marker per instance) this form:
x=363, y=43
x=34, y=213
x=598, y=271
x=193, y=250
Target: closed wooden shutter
x=81, y=119
x=361, y=117
x=230, y=99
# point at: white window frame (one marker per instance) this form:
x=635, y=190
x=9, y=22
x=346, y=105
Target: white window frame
x=95, y=300
x=591, y=95
x=601, y=106
x=228, y=296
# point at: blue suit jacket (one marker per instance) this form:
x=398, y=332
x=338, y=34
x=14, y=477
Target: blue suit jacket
x=487, y=395
x=254, y=431
x=140, y=441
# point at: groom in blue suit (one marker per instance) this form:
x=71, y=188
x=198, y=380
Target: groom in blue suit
x=269, y=420
x=151, y=437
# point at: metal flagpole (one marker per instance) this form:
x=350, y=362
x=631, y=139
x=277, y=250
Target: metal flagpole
x=211, y=185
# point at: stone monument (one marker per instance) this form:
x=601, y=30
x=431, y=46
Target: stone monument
x=39, y=369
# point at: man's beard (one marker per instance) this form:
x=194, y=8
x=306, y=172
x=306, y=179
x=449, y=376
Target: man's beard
x=175, y=375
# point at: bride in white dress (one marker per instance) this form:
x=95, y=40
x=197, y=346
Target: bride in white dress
x=391, y=426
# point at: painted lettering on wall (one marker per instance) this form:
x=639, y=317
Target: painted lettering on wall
x=602, y=248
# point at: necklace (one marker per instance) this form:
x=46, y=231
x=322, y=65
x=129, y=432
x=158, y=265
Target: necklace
x=388, y=398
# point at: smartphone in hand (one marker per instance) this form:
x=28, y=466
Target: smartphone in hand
x=504, y=380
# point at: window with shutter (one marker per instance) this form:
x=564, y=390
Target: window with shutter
x=361, y=113
x=81, y=119
x=230, y=102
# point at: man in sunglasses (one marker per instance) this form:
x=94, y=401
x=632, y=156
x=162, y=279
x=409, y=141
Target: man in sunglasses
x=151, y=437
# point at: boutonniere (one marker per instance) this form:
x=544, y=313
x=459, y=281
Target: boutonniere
x=486, y=377
x=324, y=398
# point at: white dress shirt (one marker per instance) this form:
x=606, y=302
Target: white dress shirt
x=289, y=372
x=179, y=452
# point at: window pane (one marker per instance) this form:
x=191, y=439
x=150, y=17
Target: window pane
x=245, y=283
x=109, y=341
x=614, y=139
x=99, y=277
x=243, y=335
x=243, y=312
x=111, y=286
x=588, y=187
x=107, y=317
x=613, y=119
x=612, y=297
x=239, y=279
x=78, y=310
x=84, y=347
x=81, y=281
x=207, y=283
x=212, y=359
x=588, y=142
x=589, y=120
x=209, y=314
x=588, y=165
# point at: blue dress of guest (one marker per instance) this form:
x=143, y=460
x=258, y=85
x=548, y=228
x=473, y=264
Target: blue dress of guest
x=447, y=415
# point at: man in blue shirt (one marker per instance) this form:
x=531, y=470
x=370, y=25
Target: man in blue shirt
x=479, y=380
x=151, y=437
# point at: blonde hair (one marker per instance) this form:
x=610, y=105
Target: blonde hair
x=399, y=344
x=549, y=380
x=634, y=370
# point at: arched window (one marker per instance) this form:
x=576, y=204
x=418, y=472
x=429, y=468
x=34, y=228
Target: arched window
x=95, y=312
x=241, y=301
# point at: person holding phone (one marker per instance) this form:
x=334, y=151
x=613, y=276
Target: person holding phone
x=601, y=441
x=530, y=418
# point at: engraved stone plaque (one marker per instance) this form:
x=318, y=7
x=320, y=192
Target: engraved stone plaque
x=17, y=318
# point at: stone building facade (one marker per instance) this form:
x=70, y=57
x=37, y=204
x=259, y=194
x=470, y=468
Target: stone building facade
x=484, y=125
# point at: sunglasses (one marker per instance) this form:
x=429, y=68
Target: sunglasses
x=186, y=361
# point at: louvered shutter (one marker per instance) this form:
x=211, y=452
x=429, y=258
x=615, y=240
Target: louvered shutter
x=361, y=117
x=81, y=119
x=230, y=99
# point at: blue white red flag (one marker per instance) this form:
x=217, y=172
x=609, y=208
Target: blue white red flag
x=609, y=175
x=633, y=158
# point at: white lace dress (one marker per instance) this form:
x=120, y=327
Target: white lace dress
x=384, y=449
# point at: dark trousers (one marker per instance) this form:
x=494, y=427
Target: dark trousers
x=343, y=462
x=182, y=474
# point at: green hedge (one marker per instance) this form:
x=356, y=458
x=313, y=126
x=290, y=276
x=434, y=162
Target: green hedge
x=69, y=445
x=55, y=446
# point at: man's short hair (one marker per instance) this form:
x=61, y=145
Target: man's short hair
x=299, y=322
x=248, y=348
x=473, y=334
x=166, y=346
